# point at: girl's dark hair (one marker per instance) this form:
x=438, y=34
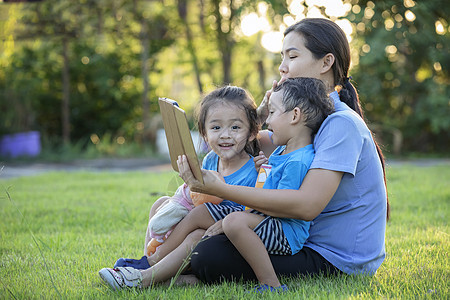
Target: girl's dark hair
x=310, y=96
x=323, y=36
x=239, y=97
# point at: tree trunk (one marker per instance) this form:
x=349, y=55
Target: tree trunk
x=65, y=106
x=201, y=17
x=182, y=12
x=145, y=43
x=262, y=76
x=224, y=40
x=226, y=63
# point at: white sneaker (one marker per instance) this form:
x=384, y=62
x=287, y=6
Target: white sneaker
x=121, y=277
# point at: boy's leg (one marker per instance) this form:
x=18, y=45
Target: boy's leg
x=238, y=227
x=198, y=218
x=168, y=266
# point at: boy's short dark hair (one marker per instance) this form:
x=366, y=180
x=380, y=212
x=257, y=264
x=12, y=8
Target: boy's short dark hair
x=310, y=96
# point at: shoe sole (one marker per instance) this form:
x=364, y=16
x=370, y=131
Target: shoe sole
x=106, y=275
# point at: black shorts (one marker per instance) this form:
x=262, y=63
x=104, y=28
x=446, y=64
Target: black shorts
x=216, y=259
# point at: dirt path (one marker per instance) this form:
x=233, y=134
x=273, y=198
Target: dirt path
x=11, y=170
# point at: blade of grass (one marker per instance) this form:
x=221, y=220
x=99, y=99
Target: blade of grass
x=12, y=294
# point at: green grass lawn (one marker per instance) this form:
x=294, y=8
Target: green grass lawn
x=84, y=221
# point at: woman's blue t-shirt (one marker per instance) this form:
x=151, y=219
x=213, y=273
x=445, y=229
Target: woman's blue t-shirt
x=350, y=231
x=245, y=176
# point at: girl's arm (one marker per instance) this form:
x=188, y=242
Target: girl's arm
x=318, y=186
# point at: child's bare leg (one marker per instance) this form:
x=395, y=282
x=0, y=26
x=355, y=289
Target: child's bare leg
x=153, y=210
x=198, y=218
x=167, y=267
x=238, y=227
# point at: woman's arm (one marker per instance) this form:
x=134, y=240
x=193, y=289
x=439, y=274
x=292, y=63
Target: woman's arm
x=306, y=203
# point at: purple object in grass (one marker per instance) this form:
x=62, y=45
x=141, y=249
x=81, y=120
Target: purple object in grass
x=20, y=144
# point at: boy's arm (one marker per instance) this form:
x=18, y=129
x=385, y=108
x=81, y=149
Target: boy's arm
x=318, y=186
x=266, y=143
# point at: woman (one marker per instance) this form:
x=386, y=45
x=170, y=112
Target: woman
x=343, y=194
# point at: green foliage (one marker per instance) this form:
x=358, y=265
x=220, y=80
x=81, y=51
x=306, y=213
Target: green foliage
x=403, y=69
x=105, y=71
x=400, y=65
x=17, y=101
x=84, y=221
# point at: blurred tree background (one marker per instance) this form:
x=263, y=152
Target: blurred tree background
x=82, y=72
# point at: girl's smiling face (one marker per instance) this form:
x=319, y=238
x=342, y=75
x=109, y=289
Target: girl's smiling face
x=227, y=130
x=297, y=60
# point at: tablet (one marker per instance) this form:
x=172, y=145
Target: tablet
x=179, y=136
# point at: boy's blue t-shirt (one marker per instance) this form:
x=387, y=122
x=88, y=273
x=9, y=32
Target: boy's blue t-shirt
x=288, y=171
x=245, y=176
x=350, y=231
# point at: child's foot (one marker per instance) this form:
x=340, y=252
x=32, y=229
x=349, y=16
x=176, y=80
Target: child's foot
x=120, y=278
x=140, y=264
x=267, y=288
x=184, y=280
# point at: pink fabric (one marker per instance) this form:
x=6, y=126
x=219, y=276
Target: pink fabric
x=160, y=237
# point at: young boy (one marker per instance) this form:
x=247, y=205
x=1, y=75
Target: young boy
x=297, y=108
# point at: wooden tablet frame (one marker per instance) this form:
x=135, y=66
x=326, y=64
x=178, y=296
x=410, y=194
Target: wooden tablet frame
x=179, y=136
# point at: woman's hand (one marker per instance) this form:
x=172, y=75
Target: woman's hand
x=211, y=179
x=214, y=229
x=259, y=160
x=263, y=109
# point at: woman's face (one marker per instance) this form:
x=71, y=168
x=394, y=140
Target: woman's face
x=297, y=60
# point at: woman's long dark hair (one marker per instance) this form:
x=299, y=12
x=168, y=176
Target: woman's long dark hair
x=323, y=36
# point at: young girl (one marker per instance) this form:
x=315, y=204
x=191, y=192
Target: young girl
x=227, y=120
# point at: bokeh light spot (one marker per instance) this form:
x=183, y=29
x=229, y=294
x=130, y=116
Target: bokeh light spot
x=410, y=16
